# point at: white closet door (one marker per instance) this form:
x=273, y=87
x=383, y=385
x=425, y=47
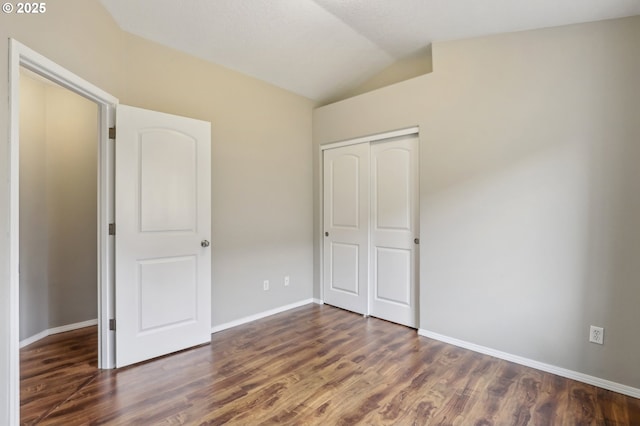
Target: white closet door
x=394, y=219
x=346, y=227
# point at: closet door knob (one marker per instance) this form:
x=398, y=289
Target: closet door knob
x=204, y=243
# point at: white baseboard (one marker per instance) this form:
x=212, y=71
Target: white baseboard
x=569, y=374
x=318, y=301
x=56, y=330
x=261, y=315
x=34, y=338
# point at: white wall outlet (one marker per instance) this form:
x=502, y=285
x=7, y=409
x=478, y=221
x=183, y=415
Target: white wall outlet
x=265, y=285
x=286, y=280
x=596, y=335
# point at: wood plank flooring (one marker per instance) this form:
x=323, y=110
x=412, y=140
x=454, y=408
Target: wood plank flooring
x=315, y=365
x=53, y=369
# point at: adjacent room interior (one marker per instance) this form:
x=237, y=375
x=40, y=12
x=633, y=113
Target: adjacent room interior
x=526, y=232
x=58, y=248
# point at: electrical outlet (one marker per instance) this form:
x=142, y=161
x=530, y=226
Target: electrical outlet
x=286, y=280
x=596, y=335
x=265, y=285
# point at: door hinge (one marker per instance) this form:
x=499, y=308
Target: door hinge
x=112, y=132
x=112, y=324
x=112, y=229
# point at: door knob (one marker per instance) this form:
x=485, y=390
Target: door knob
x=204, y=243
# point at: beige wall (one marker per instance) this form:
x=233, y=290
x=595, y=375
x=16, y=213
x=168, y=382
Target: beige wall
x=261, y=153
x=530, y=213
x=419, y=63
x=34, y=265
x=260, y=173
x=72, y=170
x=58, y=207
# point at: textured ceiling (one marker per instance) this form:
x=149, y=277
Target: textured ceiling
x=320, y=48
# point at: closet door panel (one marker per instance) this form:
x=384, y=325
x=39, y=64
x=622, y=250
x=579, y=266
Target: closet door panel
x=394, y=220
x=346, y=227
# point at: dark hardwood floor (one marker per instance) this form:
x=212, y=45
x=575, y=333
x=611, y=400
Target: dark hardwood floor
x=55, y=368
x=315, y=365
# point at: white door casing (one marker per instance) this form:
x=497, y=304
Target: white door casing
x=346, y=227
x=394, y=223
x=22, y=56
x=163, y=217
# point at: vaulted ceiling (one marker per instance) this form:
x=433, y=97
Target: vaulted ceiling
x=320, y=48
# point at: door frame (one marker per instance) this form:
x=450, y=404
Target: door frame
x=22, y=56
x=413, y=130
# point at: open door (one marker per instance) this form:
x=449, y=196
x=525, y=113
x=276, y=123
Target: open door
x=163, y=224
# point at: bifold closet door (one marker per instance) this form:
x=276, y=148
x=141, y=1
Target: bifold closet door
x=346, y=227
x=394, y=233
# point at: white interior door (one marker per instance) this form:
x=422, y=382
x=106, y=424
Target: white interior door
x=163, y=222
x=346, y=227
x=394, y=219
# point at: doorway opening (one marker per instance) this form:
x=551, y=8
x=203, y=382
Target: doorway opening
x=21, y=57
x=58, y=242
x=162, y=290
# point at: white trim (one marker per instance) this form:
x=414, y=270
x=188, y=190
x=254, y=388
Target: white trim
x=45, y=67
x=318, y=301
x=106, y=243
x=13, y=375
x=34, y=338
x=569, y=374
x=320, y=224
x=57, y=330
x=260, y=315
x=372, y=138
x=21, y=55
